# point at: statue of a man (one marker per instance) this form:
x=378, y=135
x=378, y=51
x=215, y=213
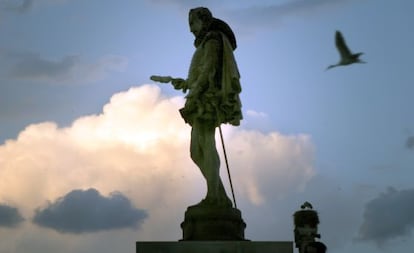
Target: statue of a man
x=213, y=96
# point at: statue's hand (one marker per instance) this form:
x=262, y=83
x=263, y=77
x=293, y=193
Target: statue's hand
x=179, y=84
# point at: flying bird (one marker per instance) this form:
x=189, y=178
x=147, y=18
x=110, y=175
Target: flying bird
x=347, y=57
x=306, y=205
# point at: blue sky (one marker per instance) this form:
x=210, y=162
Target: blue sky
x=80, y=117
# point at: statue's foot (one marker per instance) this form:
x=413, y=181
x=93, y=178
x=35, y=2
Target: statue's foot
x=225, y=201
x=214, y=201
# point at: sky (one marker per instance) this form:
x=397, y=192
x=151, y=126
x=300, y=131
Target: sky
x=94, y=156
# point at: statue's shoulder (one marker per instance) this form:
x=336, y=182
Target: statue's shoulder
x=213, y=35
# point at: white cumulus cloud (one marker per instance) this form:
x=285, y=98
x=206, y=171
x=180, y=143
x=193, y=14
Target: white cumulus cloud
x=139, y=145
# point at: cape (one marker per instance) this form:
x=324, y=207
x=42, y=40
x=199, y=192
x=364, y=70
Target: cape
x=220, y=103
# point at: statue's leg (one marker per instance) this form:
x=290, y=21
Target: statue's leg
x=212, y=163
x=195, y=148
x=196, y=151
x=204, y=154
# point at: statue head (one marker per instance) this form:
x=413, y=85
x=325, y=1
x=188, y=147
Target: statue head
x=201, y=22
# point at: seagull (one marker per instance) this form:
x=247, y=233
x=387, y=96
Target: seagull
x=347, y=57
x=306, y=205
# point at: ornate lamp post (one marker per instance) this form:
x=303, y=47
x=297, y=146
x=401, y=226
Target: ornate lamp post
x=306, y=223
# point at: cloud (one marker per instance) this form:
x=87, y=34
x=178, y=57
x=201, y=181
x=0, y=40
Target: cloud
x=185, y=5
x=257, y=121
x=69, y=69
x=139, y=145
x=272, y=15
x=255, y=114
x=337, y=208
x=388, y=216
x=23, y=6
x=9, y=216
x=257, y=15
x=410, y=142
x=88, y=211
x=268, y=166
x=16, y=6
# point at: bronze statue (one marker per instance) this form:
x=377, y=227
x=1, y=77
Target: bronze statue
x=213, y=96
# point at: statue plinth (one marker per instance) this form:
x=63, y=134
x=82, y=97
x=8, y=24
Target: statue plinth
x=211, y=223
x=214, y=247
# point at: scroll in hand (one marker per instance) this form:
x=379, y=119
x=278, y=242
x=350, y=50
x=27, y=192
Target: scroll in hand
x=161, y=79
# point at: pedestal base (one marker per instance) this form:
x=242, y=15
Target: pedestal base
x=214, y=247
x=204, y=223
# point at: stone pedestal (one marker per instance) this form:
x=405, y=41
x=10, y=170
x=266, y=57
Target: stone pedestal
x=214, y=247
x=205, y=223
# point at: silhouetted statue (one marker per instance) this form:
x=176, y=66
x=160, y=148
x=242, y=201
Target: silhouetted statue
x=213, y=96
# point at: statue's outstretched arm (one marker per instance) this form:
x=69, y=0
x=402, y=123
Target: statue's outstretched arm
x=178, y=83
